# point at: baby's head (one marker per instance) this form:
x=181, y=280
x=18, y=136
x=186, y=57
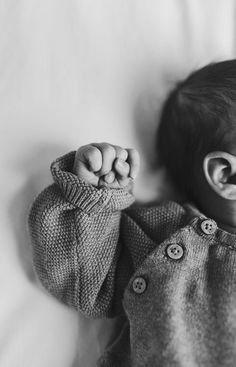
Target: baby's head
x=197, y=136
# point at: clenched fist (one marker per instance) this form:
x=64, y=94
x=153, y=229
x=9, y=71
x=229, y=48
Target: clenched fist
x=103, y=164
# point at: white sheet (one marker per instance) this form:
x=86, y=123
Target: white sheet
x=71, y=73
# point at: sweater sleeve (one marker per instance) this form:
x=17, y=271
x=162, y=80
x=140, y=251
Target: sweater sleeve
x=77, y=250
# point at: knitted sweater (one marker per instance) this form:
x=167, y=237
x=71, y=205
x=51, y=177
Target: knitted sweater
x=167, y=268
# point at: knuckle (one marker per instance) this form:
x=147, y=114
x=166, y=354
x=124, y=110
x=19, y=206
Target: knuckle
x=119, y=149
x=120, y=152
x=124, y=154
x=126, y=168
x=134, y=152
x=81, y=150
x=109, y=150
x=92, y=152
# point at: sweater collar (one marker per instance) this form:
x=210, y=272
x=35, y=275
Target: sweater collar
x=195, y=218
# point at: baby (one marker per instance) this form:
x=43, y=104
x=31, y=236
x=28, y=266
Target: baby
x=169, y=268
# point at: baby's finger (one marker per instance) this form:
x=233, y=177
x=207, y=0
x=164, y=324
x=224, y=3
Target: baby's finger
x=121, y=152
x=91, y=156
x=109, y=177
x=122, y=168
x=134, y=162
x=123, y=181
x=108, y=156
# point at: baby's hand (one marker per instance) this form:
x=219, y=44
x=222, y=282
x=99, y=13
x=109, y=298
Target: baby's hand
x=103, y=164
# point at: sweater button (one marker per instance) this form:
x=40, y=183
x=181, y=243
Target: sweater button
x=208, y=226
x=139, y=285
x=175, y=251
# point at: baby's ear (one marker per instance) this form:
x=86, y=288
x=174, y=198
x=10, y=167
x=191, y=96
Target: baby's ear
x=220, y=172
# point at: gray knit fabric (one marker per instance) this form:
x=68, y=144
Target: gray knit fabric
x=89, y=246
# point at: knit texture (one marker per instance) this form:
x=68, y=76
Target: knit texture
x=91, y=244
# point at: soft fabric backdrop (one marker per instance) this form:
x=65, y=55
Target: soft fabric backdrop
x=73, y=72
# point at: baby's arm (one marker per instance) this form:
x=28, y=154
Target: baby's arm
x=75, y=225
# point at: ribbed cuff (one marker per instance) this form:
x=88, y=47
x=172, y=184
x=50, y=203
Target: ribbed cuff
x=85, y=196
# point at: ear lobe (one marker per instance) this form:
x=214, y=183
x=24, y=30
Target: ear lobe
x=220, y=172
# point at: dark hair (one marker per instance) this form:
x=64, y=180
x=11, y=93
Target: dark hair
x=198, y=117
